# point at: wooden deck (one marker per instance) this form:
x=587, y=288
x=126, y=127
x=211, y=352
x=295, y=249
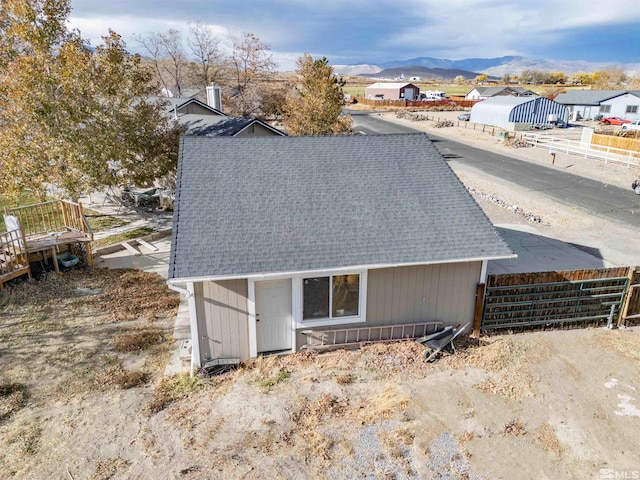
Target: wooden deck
x=51, y=228
x=13, y=257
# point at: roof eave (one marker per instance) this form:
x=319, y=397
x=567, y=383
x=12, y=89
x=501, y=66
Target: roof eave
x=270, y=275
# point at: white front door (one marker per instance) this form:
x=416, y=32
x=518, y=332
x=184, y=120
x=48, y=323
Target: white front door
x=273, y=315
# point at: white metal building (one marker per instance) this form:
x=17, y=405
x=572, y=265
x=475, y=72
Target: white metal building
x=518, y=113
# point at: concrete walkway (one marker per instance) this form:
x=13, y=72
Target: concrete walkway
x=146, y=259
x=158, y=262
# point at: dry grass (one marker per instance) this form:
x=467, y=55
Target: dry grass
x=385, y=404
x=173, y=388
x=13, y=396
x=509, y=358
x=271, y=382
x=124, y=294
x=465, y=438
x=117, y=377
x=305, y=433
x=546, y=437
x=514, y=428
x=626, y=342
x=110, y=468
x=346, y=378
x=135, y=294
x=138, y=339
x=23, y=440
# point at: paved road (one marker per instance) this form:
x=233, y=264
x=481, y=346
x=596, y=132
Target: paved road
x=608, y=201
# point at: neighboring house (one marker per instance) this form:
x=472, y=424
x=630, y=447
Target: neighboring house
x=588, y=104
x=273, y=236
x=482, y=93
x=392, y=91
x=199, y=118
x=518, y=113
x=202, y=125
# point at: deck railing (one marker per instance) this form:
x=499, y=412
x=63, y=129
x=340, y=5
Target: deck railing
x=47, y=217
x=13, y=256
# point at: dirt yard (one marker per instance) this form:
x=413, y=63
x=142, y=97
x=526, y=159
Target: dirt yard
x=82, y=394
x=82, y=397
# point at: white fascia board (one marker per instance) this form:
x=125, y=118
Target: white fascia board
x=262, y=124
x=275, y=275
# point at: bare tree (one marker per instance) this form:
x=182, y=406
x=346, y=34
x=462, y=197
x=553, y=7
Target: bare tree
x=251, y=65
x=151, y=44
x=205, y=50
x=168, y=57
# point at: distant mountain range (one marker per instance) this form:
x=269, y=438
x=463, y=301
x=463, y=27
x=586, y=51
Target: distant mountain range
x=424, y=73
x=471, y=67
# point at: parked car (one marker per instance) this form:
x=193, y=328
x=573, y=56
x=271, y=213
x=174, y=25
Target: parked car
x=465, y=117
x=541, y=126
x=635, y=125
x=614, y=121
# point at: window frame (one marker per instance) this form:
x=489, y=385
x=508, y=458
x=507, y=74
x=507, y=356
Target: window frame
x=298, y=300
x=631, y=109
x=605, y=109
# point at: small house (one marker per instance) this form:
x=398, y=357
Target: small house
x=482, y=93
x=588, y=104
x=275, y=238
x=392, y=91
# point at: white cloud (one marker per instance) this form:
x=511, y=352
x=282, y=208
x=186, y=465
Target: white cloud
x=478, y=28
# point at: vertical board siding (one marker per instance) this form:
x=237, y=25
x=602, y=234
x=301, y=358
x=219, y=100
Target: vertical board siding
x=222, y=311
x=538, y=110
x=395, y=295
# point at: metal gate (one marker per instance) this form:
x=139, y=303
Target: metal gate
x=553, y=303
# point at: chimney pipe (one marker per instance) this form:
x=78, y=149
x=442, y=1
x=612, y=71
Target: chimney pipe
x=214, y=96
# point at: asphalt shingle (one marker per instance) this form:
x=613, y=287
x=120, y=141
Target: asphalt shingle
x=283, y=204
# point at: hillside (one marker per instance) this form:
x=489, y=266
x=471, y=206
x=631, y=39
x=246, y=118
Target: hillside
x=513, y=65
x=424, y=72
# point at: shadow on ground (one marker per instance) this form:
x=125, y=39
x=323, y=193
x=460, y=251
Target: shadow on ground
x=537, y=253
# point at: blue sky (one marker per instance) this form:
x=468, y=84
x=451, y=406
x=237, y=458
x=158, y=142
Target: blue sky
x=375, y=31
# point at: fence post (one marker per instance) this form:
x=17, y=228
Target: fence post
x=622, y=314
x=479, y=309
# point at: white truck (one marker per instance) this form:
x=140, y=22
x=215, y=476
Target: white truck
x=635, y=125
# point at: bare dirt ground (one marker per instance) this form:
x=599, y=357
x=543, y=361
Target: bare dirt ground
x=613, y=242
x=82, y=396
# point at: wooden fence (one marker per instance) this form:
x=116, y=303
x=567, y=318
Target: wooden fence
x=451, y=102
x=631, y=307
x=575, y=297
x=622, y=143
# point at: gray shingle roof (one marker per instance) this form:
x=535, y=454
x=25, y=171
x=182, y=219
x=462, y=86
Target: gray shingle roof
x=591, y=97
x=282, y=204
x=214, y=125
x=491, y=91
